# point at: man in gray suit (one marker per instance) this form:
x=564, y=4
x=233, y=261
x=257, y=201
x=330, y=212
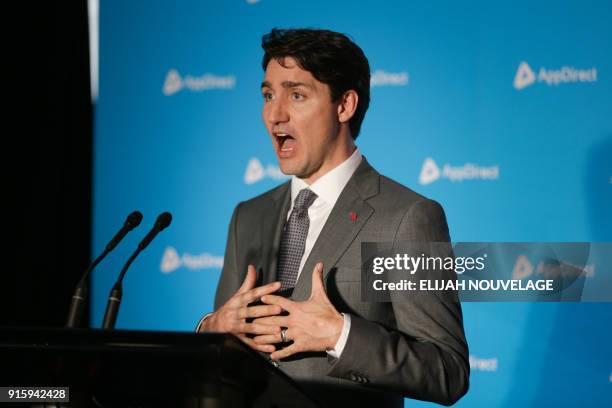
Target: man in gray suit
x=304, y=237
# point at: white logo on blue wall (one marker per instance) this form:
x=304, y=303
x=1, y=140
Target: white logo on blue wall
x=524, y=269
x=525, y=76
x=171, y=261
x=430, y=172
x=255, y=172
x=384, y=78
x=483, y=364
x=175, y=83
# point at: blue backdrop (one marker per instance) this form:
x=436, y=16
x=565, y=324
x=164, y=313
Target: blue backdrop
x=501, y=111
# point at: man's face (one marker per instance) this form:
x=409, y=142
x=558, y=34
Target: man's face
x=301, y=120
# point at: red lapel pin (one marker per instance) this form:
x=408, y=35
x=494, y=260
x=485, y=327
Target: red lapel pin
x=353, y=216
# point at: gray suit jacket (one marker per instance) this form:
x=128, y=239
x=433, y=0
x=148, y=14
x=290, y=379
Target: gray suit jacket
x=415, y=349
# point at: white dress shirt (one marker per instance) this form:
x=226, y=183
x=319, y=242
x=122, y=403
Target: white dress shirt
x=328, y=189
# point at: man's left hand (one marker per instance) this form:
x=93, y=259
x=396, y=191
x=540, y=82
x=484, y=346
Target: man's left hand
x=312, y=325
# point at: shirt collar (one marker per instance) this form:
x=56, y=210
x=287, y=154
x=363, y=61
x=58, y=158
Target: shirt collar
x=330, y=185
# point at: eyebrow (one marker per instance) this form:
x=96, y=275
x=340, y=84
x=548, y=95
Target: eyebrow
x=287, y=84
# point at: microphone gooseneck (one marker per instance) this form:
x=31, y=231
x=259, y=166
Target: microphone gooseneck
x=77, y=303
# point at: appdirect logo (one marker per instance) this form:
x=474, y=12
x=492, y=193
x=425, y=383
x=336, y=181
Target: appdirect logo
x=525, y=76
x=171, y=261
x=430, y=172
x=483, y=364
x=255, y=172
x=383, y=78
x=523, y=268
x=175, y=83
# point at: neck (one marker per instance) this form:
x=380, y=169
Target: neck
x=343, y=151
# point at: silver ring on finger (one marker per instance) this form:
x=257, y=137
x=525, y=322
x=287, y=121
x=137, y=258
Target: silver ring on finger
x=283, y=337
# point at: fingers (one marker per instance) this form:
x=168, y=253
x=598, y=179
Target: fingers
x=280, y=321
x=266, y=348
x=256, y=293
x=249, y=280
x=269, y=338
x=286, y=352
x=255, y=328
x=278, y=300
x=317, y=280
x=258, y=311
x=275, y=338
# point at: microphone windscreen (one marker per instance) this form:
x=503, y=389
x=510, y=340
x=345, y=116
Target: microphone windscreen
x=163, y=220
x=133, y=220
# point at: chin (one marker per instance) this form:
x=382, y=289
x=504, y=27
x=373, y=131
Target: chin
x=287, y=169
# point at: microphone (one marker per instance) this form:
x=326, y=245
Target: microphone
x=114, y=298
x=161, y=223
x=133, y=220
x=79, y=296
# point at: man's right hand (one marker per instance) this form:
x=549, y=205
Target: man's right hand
x=232, y=316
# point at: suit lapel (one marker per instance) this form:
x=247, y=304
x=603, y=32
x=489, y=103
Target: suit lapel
x=274, y=218
x=340, y=229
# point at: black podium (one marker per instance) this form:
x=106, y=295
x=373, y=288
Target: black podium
x=145, y=369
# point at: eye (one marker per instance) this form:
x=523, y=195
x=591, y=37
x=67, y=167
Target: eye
x=267, y=96
x=296, y=96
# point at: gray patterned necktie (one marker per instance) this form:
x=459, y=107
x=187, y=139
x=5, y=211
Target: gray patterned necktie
x=293, y=240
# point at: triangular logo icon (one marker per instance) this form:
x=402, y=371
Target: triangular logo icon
x=524, y=76
x=430, y=172
x=254, y=171
x=173, y=83
x=170, y=261
x=522, y=268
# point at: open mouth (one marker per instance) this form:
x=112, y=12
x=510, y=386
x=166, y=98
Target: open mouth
x=286, y=142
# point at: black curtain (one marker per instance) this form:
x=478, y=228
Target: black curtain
x=50, y=171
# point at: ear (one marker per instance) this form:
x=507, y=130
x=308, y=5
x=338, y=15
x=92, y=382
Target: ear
x=347, y=106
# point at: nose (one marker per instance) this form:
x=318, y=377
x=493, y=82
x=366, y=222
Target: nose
x=275, y=112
